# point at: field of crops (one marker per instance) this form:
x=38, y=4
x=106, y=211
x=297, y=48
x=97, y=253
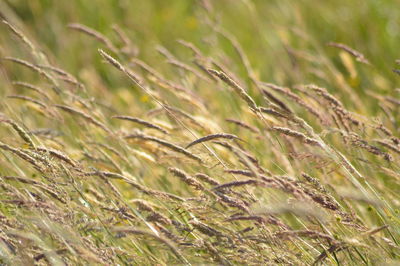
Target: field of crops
x=199, y=132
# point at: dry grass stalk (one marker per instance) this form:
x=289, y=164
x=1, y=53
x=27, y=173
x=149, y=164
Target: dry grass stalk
x=170, y=245
x=240, y=172
x=392, y=100
x=166, y=144
x=184, y=114
x=237, y=184
x=243, y=125
x=84, y=115
x=348, y=165
x=122, y=35
x=34, y=68
x=222, y=260
x=245, y=158
x=97, y=35
x=120, y=67
x=128, y=47
x=239, y=50
x=239, y=90
x=205, y=229
x=139, y=187
x=187, y=68
x=59, y=155
x=207, y=179
x=298, y=135
x=248, y=173
x=357, y=141
x=20, y=35
x=203, y=66
x=336, y=105
x=23, y=156
x=63, y=75
x=273, y=112
x=140, y=121
x=21, y=132
x=212, y=137
x=109, y=148
x=154, y=215
x=295, y=98
x=147, y=68
x=278, y=102
x=31, y=87
x=376, y=230
x=359, y=56
x=315, y=182
x=56, y=70
x=28, y=99
x=232, y=201
x=171, y=59
x=390, y=146
x=22, y=180
x=186, y=178
x=196, y=51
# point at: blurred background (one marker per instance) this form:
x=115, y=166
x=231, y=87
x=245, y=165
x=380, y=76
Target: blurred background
x=271, y=32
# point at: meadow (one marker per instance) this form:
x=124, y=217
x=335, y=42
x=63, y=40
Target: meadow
x=199, y=132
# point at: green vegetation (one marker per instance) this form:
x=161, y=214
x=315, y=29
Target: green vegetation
x=231, y=132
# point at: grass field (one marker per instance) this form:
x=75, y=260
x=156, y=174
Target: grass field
x=195, y=132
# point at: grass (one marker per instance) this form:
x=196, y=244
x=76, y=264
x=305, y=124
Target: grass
x=199, y=132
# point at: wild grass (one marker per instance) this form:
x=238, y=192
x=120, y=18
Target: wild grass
x=199, y=132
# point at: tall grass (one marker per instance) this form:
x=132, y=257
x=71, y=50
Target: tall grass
x=199, y=132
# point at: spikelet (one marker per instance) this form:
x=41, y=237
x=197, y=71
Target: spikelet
x=140, y=121
x=359, y=56
x=34, y=68
x=20, y=35
x=29, y=99
x=232, y=201
x=166, y=144
x=128, y=48
x=31, y=87
x=212, y=137
x=187, y=68
x=95, y=34
x=196, y=51
x=239, y=90
x=205, y=229
x=207, y=179
x=357, y=141
x=298, y=135
x=23, y=156
x=134, y=184
x=21, y=132
x=59, y=155
x=84, y=115
x=336, y=105
x=147, y=68
x=236, y=184
x=243, y=125
x=273, y=112
x=295, y=98
x=22, y=180
x=388, y=145
x=155, y=215
x=278, y=102
x=181, y=113
x=186, y=178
